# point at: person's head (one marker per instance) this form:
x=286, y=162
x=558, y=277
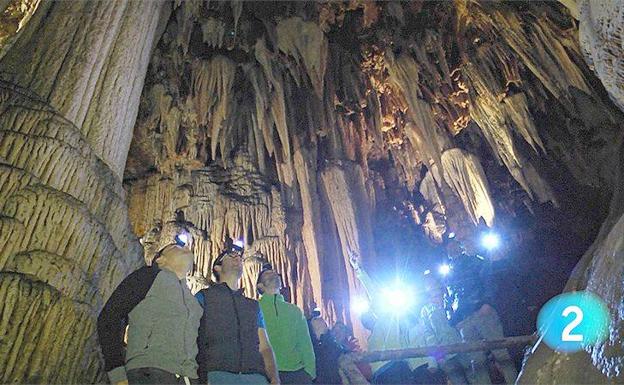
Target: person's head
x=319, y=327
x=230, y=263
x=434, y=289
x=454, y=248
x=176, y=258
x=269, y=282
x=341, y=331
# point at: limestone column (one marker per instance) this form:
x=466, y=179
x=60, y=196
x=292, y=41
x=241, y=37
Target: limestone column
x=69, y=94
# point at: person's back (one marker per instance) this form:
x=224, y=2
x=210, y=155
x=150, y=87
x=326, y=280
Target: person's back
x=233, y=343
x=228, y=332
x=327, y=352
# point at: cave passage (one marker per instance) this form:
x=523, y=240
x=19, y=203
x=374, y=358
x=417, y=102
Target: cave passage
x=326, y=178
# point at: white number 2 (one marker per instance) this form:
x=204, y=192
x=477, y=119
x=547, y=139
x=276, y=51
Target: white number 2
x=565, y=335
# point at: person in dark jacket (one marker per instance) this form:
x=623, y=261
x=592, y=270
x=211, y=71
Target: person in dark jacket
x=288, y=331
x=233, y=344
x=162, y=318
x=469, y=303
x=327, y=352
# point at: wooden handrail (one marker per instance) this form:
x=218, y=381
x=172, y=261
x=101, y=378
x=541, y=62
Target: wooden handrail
x=350, y=374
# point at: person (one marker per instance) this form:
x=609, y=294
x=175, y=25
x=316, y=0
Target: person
x=440, y=332
x=349, y=344
x=327, y=352
x=233, y=344
x=162, y=318
x=469, y=303
x=392, y=331
x=287, y=330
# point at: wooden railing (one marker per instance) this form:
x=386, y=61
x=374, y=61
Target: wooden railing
x=350, y=374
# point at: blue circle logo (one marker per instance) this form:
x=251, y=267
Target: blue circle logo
x=571, y=321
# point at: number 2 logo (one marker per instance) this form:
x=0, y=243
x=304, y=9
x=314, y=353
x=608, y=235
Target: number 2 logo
x=565, y=335
x=570, y=322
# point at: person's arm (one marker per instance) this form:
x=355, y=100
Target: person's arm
x=304, y=345
x=362, y=276
x=201, y=339
x=268, y=357
x=113, y=319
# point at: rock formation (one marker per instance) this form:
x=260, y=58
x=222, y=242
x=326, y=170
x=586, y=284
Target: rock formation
x=69, y=89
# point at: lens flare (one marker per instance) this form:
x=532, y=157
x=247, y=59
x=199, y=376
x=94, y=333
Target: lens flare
x=444, y=269
x=490, y=241
x=360, y=305
x=399, y=299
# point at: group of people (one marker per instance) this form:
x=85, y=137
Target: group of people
x=153, y=330
x=218, y=336
x=454, y=309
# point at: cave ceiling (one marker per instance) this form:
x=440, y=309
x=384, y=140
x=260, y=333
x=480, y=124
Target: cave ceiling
x=314, y=128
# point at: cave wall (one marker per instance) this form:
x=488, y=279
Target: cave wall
x=69, y=85
x=601, y=34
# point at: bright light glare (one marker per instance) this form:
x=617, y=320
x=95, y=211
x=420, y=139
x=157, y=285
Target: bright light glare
x=490, y=241
x=359, y=305
x=427, y=272
x=399, y=299
x=239, y=243
x=444, y=269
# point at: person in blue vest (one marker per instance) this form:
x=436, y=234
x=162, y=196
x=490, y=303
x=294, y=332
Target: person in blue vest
x=233, y=343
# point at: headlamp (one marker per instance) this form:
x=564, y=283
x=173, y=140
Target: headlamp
x=181, y=239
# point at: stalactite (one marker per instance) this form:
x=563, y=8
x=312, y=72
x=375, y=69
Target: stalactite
x=434, y=222
x=423, y=132
x=463, y=172
x=213, y=32
x=306, y=43
x=215, y=77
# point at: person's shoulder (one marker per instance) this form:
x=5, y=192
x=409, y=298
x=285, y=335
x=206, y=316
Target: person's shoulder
x=250, y=301
x=293, y=308
x=144, y=272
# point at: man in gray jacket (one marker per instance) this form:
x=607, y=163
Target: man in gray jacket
x=162, y=318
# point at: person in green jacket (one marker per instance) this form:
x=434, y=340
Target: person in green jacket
x=288, y=331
